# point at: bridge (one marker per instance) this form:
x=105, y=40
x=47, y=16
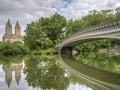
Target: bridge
x=107, y=30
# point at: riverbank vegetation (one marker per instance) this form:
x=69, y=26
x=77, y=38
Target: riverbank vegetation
x=14, y=48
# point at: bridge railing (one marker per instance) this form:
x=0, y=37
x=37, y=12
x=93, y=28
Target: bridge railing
x=97, y=28
x=101, y=27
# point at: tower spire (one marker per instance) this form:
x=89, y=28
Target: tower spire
x=17, y=29
x=8, y=23
x=17, y=26
x=8, y=27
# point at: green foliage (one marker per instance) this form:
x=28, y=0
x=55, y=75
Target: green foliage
x=12, y=48
x=117, y=14
x=115, y=42
x=53, y=27
x=34, y=35
x=93, y=18
x=92, y=46
x=73, y=26
x=45, y=33
x=8, y=60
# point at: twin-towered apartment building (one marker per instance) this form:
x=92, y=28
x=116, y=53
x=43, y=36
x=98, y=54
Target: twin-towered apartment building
x=9, y=36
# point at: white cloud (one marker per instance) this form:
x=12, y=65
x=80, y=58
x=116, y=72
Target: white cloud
x=19, y=5
x=78, y=87
x=28, y=16
x=2, y=26
x=117, y=5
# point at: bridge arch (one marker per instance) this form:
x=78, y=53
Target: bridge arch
x=109, y=30
x=67, y=49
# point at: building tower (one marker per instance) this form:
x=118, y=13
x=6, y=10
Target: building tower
x=8, y=33
x=8, y=28
x=17, y=29
x=9, y=37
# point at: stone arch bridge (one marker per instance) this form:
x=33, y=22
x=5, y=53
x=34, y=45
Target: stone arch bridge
x=108, y=30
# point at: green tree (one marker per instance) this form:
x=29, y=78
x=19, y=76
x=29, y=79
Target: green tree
x=117, y=12
x=54, y=27
x=45, y=32
x=34, y=35
x=74, y=26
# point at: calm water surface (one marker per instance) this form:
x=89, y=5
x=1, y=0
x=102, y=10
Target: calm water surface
x=86, y=71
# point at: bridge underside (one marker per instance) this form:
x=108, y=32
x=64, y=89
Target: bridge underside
x=81, y=41
x=67, y=48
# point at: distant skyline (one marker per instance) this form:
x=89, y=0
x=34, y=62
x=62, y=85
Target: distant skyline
x=26, y=11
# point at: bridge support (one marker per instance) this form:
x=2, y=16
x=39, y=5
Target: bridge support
x=66, y=50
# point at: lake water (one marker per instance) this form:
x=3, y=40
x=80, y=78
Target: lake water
x=86, y=71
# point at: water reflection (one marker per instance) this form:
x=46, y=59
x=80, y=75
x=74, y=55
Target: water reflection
x=10, y=65
x=17, y=67
x=46, y=73
x=34, y=73
x=49, y=72
x=105, y=61
x=92, y=77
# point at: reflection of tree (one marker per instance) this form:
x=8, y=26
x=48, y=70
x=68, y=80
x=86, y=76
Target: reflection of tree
x=45, y=73
x=7, y=60
x=101, y=61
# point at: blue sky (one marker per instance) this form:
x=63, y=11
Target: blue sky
x=26, y=11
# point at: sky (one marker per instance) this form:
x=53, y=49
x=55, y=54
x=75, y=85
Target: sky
x=26, y=11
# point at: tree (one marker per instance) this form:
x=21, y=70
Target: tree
x=74, y=26
x=34, y=35
x=53, y=27
x=39, y=34
x=117, y=14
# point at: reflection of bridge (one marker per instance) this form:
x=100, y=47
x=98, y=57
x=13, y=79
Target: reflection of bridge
x=103, y=31
x=89, y=76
